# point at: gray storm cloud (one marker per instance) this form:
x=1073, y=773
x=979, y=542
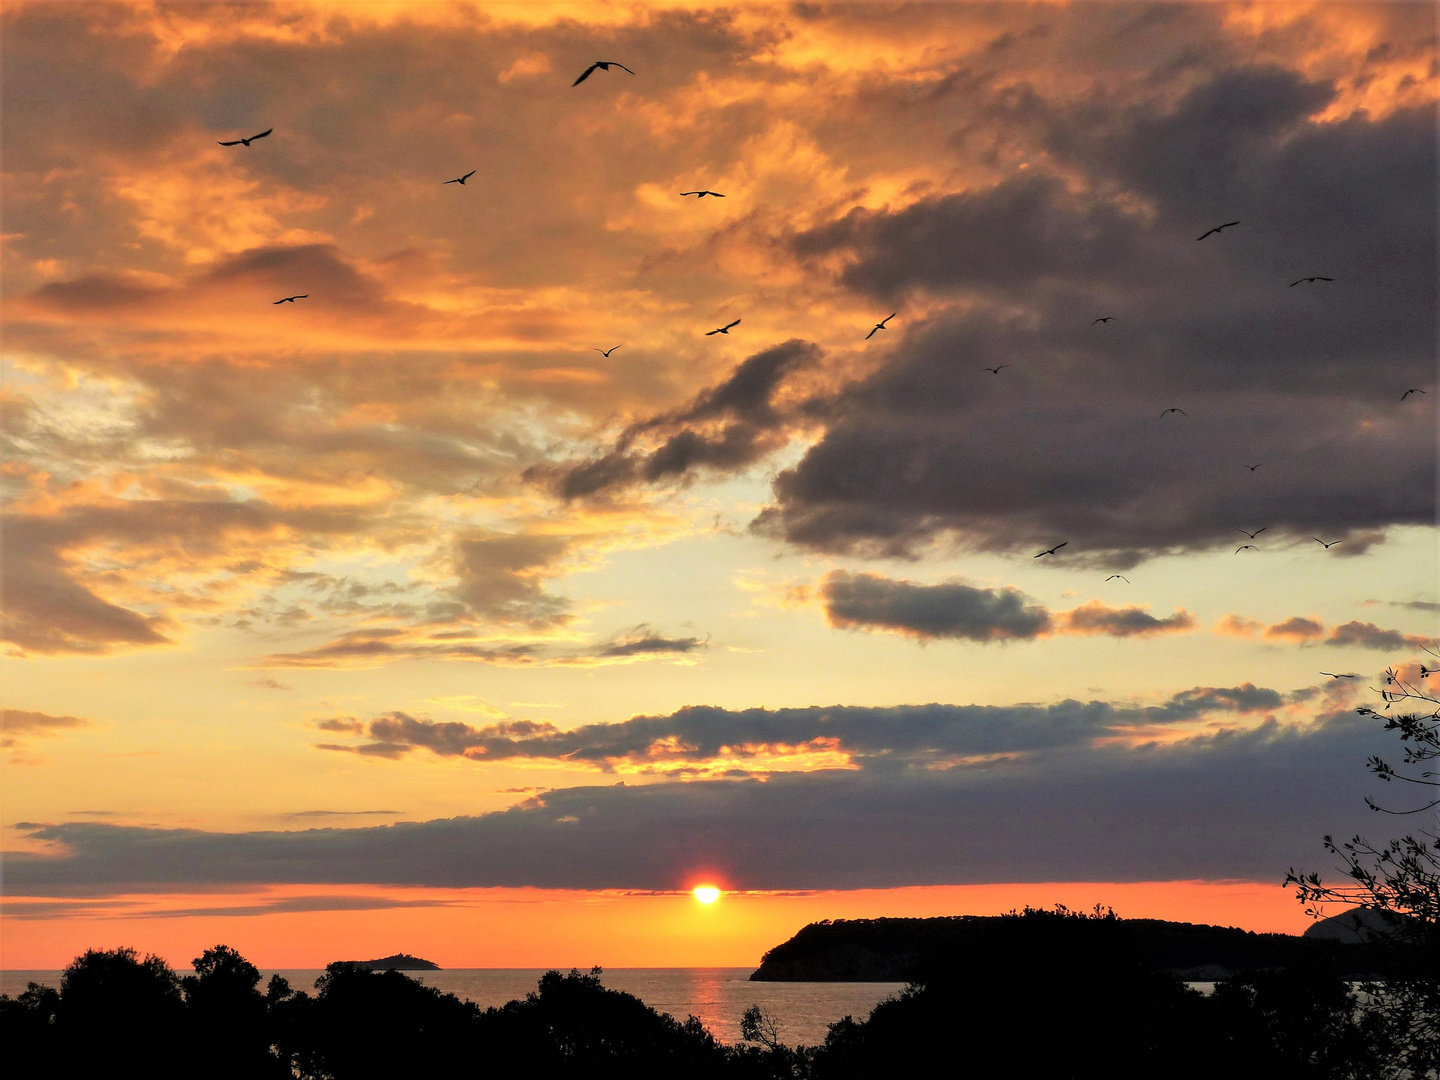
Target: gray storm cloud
x=1235, y=805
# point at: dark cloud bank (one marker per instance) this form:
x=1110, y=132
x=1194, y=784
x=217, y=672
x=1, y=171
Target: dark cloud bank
x=1068, y=441
x=942, y=795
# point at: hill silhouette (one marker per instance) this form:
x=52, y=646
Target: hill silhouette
x=902, y=950
x=398, y=962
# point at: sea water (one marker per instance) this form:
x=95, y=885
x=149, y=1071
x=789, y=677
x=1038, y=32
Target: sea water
x=718, y=996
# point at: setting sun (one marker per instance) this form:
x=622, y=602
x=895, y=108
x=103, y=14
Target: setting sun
x=707, y=894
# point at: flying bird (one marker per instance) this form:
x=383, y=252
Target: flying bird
x=996, y=370
x=1322, y=543
x=605, y=352
x=1252, y=468
x=1216, y=229
x=881, y=324
x=1167, y=412
x=603, y=65
x=1256, y=533
x=1107, y=318
x=1053, y=550
x=1122, y=577
x=1412, y=390
x=247, y=142
x=702, y=194
x=1303, y=280
x=292, y=299
x=1333, y=675
x=1246, y=547
x=460, y=179
x=724, y=329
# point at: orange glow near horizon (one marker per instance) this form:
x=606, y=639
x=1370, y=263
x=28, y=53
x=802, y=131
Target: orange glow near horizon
x=707, y=894
x=296, y=926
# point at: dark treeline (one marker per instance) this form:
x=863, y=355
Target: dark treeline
x=1052, y=994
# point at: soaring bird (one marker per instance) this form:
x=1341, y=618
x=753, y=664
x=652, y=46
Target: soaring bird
x=1167, y=412
x=1333, y=675
x=461, y=179
x=724, y=329
x=702, y=194
x=247, y=142
x=881, y=324
x=1256, y=533
x=1056, y=548
x=1412, y=390
x=1252, y=468
x=1122, y=577
x=1246, y=547
x=1216, y=229
x=292, y=299
x=1107, y=318
x=996, y=370
x=605, y=352
x=1303, y=280
x=603, y=65
x=1323, y=544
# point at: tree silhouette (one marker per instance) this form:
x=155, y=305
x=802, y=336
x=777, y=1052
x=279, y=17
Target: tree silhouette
x=1399, y=878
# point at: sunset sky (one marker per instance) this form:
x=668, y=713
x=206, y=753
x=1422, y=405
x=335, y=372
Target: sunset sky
x=403, y=617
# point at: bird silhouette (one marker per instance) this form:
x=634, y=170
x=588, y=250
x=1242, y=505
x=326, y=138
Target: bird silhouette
x=247, y=142
x=702, y=194
x=605, y=352
x=1333, y=675
x=1323, y=544
x=1252, y=468
x=1246, y=547
x=1053, y=550
x=1122, y=577
x=1167, y=412
x=461, y=179
x=292, y=299
x=1216, y=229
x=1107, y=318
x=1256, y=533
x=724, y=329
x=996, y=370
x=881, y=324
x=1303, y=280
x=1412, y=390
x=603, y=65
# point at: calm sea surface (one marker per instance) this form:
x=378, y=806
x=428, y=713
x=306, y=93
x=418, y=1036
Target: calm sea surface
x=716, y=995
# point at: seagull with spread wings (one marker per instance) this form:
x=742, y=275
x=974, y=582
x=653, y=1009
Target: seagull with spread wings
x=724, y=329
x=1104, y=319
x=1256, y=533
x=247, y=142
x=1246, y=547
x=996, y=370
x=1167, y=412
x=1412, y=390
x=292, y=299
x=1306, y=280
x=702, y=194
x=460, y=179
x=881, y=324
x=1333, y=675
x=1216, y=229
x=1122, y=577
x=605, y=352
x=1323, y=544
x=1053, y=550
x=603, y=65
x=1252, y=468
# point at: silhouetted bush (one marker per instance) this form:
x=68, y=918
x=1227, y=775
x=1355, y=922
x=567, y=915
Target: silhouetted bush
x=571, y=1025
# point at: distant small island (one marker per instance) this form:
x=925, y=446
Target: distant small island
x=398, y=962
